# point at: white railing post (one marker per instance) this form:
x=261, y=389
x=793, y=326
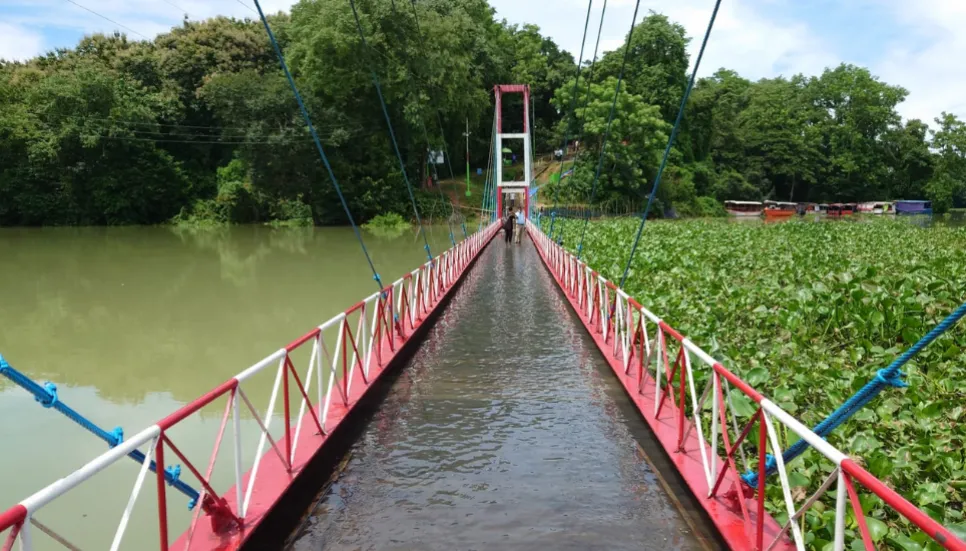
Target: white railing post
x=776, y=451
x=236, y=430
x=840, y=505
x=659, y=369
x=715, y=392
x=126, y=516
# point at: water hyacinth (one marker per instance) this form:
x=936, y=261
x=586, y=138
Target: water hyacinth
x=807, y=312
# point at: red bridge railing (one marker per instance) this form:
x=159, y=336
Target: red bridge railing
x=340, y=360
x=656, y=364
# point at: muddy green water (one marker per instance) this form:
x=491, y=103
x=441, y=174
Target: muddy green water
x=131, y=323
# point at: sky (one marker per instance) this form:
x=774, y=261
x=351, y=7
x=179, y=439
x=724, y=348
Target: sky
x=911, y=43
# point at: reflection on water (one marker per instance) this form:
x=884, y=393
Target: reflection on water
x=504, y=432
x=130, y=323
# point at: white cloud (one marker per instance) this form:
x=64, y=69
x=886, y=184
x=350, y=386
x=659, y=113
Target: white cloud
x=743, y=38
x=18, y=43
x=926, y=57
x=922, y=54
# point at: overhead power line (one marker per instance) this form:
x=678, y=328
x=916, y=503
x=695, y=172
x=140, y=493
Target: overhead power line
x=221, y=142
x=45, y=118
x=247, y=7
x=177, y=7
x=106, y=18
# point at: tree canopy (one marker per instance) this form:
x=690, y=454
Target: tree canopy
x=831, y=137
x=199, y=122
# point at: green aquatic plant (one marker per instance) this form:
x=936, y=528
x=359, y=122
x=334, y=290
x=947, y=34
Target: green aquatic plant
x=807, y=312
x=387, y=225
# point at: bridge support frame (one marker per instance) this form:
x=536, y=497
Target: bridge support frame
x=513, y=188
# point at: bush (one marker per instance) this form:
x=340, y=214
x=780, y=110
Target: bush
x=710, y=207
x=389, y=224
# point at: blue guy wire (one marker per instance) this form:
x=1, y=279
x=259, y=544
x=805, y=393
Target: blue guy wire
x=589, y=80
x=47, y=396
x=318, y=142
x=889, y=376
x=439, y=121
x=573, y=115
x=610, y=119
x=422, y=123
x=670, y=141
x=392, y=135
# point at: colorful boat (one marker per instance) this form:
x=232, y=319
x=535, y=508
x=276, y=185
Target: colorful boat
x=841, y=209
x=875, y=207
x=778, y=210
x=908, y=207
x=743, y=208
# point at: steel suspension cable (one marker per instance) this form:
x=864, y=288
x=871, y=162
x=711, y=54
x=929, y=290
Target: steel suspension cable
x=610, y=120
x=439, y=121
x=670, y=141
x=486, y=178
x=318, y=142
x=392, y=135
x=573, y=117
x=494, y=185
x=422, y=123
x=589, y=80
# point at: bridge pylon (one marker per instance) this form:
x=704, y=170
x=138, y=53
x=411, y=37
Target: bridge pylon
x=512, y=194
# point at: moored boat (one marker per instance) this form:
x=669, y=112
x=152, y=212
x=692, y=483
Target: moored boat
x=841, y=209
x=743, y=208
x=908, y=207
x=875, y=207
x=776, y=209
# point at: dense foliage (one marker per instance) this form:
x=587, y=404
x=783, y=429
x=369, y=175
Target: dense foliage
x=200, y=124
x=808, y=312
x=831, y=137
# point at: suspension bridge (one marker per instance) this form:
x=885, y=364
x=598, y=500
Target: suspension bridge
x=582, y=420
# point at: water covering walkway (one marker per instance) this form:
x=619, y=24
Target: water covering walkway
x=507, y=429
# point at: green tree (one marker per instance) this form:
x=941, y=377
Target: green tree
x=852, y=110
x=635, y=143
x=657, y=64
x=781, y=151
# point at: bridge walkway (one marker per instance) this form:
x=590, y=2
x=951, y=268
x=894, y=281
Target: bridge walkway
x=506, y=429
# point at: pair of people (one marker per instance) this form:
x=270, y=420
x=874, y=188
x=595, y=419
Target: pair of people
x=508, y=223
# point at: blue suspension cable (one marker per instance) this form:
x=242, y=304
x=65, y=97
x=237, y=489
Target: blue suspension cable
x=439, y=121
x=486, y=183
x=573, y=116
x=670, y=141
x=610, y=119
x=318, y=142
x=889, y=376
x=392, y=136
x=422, y=123
x=47, y=396
x=589, y=80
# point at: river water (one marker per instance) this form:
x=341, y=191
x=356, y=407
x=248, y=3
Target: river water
x=506, y=431
x=131, y=323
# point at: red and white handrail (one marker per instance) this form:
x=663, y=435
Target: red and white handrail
x=353, y=348
x=637, y=341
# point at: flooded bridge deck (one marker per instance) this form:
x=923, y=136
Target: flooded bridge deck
x=506, y=429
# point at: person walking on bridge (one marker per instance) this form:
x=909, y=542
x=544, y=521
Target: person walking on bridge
x=508, y=228
x=521, y=222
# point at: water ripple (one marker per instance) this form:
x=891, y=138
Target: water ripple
x=504, y=431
